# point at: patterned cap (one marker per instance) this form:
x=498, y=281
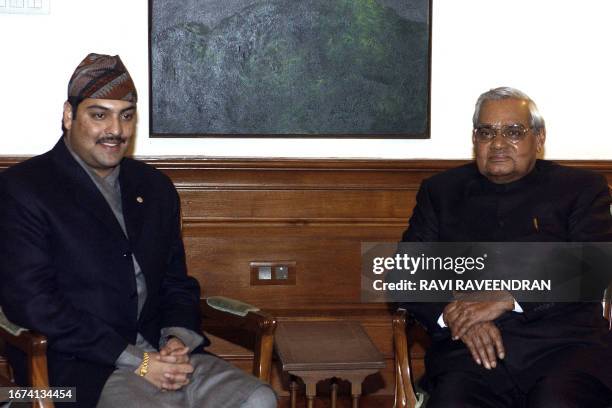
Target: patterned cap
x=102, y=77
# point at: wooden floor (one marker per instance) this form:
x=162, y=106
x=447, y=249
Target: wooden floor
x=322, y=402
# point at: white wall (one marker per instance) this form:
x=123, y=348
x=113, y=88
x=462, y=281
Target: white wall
x=555, y=50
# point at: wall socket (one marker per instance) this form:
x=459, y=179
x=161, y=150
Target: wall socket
x=24, y=6
x=273, y=273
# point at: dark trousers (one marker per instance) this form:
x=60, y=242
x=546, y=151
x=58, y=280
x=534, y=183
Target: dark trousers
x=560, y=390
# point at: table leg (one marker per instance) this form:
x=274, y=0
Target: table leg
x=356, y=392
x=293, y=387
x=334, y=392
x=311, y=392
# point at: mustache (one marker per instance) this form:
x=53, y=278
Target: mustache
x=501, y=150
x=111, y=139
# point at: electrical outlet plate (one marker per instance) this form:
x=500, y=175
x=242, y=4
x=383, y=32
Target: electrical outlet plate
x=273, y=273
x=24, y=6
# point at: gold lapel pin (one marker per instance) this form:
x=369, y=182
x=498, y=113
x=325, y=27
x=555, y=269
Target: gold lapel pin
x=140, y=199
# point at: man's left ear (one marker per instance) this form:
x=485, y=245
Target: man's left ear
x=540, y=139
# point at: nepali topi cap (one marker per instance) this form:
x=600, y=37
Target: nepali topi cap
x=102, y=77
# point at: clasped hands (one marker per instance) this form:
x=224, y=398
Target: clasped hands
x=470, y=319
x=170, y=368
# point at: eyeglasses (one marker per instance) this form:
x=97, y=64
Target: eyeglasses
x=513, y=133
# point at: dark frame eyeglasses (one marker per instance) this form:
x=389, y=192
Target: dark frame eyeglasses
x=512, y=133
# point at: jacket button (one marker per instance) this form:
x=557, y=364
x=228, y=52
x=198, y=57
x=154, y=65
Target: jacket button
x=127, y=254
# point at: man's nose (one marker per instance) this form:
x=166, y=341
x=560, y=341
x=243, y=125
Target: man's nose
x=114, y=127
x=498, y=141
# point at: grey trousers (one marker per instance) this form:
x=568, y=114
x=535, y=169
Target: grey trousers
x=214, y=384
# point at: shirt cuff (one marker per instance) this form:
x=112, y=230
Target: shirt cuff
x=130, y=358
x=441, y=322
x=517, y=307
x=189, y=338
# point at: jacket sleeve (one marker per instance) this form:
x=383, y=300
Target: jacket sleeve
x=423, y=227
x=29, y=292
x=180, y=293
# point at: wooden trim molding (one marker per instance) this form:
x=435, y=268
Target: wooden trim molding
x=297, y=164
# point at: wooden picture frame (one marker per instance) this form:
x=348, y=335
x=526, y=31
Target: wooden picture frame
x=290, y=68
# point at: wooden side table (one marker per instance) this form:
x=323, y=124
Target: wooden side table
x=318, y=350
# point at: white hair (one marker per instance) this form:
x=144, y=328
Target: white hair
x=536, y=121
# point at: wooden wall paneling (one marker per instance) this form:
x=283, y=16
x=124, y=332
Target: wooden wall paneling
x=313, y=212
x=297, y=204
x=327, y=263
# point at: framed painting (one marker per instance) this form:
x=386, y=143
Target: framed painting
x=290, y=68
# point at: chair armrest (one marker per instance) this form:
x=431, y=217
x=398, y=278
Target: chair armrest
x=405, y=396
x=34, y=345
x=233, y=313
x=229, y=305
x=29, y=342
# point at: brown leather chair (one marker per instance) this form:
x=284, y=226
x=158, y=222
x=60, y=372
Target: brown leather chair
x=405, y=394
x=35, y=347
x=218, y=311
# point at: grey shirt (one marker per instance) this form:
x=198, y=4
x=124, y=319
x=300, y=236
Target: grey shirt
x=132, y=356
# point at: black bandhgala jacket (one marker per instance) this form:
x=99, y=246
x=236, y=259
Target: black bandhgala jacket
x=570, y=205
x=66, y=266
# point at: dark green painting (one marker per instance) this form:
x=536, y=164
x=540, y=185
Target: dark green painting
x=329, y=68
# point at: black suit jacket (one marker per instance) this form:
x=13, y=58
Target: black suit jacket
x=67, y=269
x=461, y=205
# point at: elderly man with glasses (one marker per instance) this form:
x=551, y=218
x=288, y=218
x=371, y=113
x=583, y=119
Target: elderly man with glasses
x=505, y=353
